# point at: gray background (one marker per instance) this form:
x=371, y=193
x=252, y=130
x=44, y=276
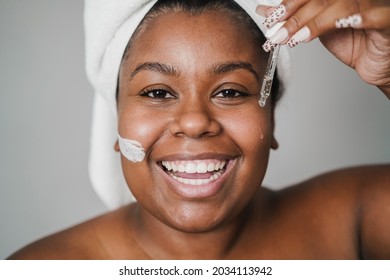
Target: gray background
x=328, y=119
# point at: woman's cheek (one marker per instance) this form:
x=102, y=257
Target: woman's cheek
x=145, y=128
x=251, y=130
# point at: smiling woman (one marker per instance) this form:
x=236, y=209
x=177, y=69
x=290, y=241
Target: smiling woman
x=190, y=110
x=195, y=146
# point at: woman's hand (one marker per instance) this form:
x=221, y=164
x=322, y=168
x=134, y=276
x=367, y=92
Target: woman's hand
x=357, y=32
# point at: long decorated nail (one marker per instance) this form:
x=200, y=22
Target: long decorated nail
x=301, y=36
x=268, y=46
x=353, y=21
x=279, y=36
x=275, y=16
x=264, y=10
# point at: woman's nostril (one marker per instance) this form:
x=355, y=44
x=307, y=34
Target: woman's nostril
x=195, y=125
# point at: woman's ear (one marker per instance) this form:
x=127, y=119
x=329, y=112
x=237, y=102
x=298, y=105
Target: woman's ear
x=116, y=146
x=274, y=143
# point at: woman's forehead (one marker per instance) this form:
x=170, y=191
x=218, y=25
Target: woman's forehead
x=209, y=37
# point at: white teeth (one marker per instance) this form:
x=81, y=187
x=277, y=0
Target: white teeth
x=196, y=166
x=192, y=167
x=211, y=167
x=198, y=182
x=201, y=168
x=180, y=168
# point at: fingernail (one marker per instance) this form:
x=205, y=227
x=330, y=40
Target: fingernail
x=279, y=36
x=275, y=16
x=354, y=21
x=268, y=46
x=264, y=10
x=301, y=36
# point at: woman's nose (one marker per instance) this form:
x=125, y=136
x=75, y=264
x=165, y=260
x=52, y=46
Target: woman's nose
x=195, y=121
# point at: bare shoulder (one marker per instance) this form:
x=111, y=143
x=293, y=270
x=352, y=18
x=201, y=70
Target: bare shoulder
x=59, y=246
x=374, y=214
x=344, y=214
x=98, y=238
x=345, y=185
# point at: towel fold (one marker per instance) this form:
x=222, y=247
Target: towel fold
x=109, y=25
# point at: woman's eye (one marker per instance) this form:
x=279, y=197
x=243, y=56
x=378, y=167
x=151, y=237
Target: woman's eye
x=229, y=93
x=157, y=93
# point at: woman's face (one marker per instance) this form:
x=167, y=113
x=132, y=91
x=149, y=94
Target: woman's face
x=189, y=92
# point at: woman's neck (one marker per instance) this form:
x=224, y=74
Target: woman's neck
x=160, y=241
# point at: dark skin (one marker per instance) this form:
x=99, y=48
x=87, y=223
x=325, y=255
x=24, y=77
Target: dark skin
x=339, y=215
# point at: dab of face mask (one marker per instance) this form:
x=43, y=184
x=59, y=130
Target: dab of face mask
x=131, y=149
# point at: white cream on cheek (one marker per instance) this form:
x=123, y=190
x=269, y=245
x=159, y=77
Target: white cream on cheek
x=131, y=149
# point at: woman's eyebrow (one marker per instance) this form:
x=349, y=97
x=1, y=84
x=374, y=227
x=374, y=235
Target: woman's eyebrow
x=233, y=66
x=217, y=69
x=156, y=67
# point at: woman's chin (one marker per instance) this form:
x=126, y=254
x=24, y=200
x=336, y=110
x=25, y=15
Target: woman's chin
x=196, y=218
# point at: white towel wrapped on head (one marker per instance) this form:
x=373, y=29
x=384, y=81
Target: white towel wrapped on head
x=109, y=25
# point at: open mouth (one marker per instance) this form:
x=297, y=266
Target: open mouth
x=195, y=172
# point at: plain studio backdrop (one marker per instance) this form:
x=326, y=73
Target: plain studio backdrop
x=328, y=119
